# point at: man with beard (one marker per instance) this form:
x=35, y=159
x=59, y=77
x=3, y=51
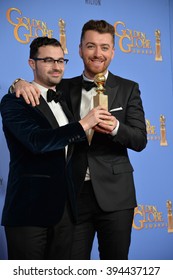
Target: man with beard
x=40, y=204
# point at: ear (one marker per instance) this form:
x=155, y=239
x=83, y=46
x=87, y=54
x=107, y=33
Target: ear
x=80, y=50
x=113, y=52
x=31, y=63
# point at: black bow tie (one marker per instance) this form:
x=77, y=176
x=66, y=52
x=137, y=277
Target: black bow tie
x=87, y=85
x=53, y=95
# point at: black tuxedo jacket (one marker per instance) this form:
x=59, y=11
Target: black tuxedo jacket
x=40, y=179
x=107, y=157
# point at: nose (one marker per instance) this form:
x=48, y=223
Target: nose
x=56, y=64
x=97, y=51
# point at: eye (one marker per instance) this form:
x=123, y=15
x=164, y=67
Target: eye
x=48, y=60
x=61, y=61
x=90, y=47
x=105, y=48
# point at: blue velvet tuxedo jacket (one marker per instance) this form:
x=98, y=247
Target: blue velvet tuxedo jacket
x=40, y=178
x=107, y=156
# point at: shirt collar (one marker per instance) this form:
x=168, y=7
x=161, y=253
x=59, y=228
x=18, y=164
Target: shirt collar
x=42, y=89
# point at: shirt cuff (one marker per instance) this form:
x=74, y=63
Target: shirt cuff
x=115, y=131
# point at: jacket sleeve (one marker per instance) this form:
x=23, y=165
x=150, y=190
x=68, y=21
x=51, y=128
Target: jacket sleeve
x=132, y=129
x=33, y=130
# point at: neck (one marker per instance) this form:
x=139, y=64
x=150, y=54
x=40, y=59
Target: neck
x=91, y=76
x=45, y=85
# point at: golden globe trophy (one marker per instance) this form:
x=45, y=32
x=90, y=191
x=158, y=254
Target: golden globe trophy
x=63, y=35
x=158, y=56
x=170, y=218
x=100, y=99
x=163, y=141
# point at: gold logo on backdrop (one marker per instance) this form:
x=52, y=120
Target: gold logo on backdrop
x=170, y=217
x=62, y=24
x=134, y=41
x=130, y=41
x=26, y=28
x=163, y=141
x=158, y=56
x=147, y=216
x=151, y=131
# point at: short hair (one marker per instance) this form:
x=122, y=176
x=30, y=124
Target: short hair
x=42, y=41
x=101, y=26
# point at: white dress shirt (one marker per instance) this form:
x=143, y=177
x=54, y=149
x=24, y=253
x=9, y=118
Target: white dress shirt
x=55, y=107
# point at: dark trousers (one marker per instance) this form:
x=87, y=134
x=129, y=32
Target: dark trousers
x=113, y=229
x=41, y=243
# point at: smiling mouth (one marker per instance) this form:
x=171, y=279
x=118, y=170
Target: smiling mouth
x=56, y=73
x=97, y=61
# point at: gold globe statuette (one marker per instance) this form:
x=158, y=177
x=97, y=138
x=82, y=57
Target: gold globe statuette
x=100, y=99
x=62, y=24
x=170, y=217
x=163, y=141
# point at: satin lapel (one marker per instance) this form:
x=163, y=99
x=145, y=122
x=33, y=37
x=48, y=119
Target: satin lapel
x=44, y=108
x=70, y=118
x=75, y=96
x=111, y=89
x=66, y=110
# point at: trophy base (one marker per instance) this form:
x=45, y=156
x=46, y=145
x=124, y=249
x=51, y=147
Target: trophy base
x=102, y=100
x=163, y=144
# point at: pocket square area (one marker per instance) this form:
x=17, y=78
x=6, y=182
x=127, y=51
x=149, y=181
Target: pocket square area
x=116, y=109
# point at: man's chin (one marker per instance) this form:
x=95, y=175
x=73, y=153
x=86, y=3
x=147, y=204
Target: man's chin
x=56, y=80
x=98, y=71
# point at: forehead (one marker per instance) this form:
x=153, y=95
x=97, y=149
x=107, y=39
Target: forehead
x=52, y=51
x=97, y=38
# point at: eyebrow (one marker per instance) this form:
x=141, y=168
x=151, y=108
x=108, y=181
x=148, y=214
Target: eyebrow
x=54, y=58
x=91, y=43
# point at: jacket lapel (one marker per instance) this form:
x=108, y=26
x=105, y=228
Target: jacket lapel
x=75, y=95
x=111, y=89
x=44, y=108
x=66, y=111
